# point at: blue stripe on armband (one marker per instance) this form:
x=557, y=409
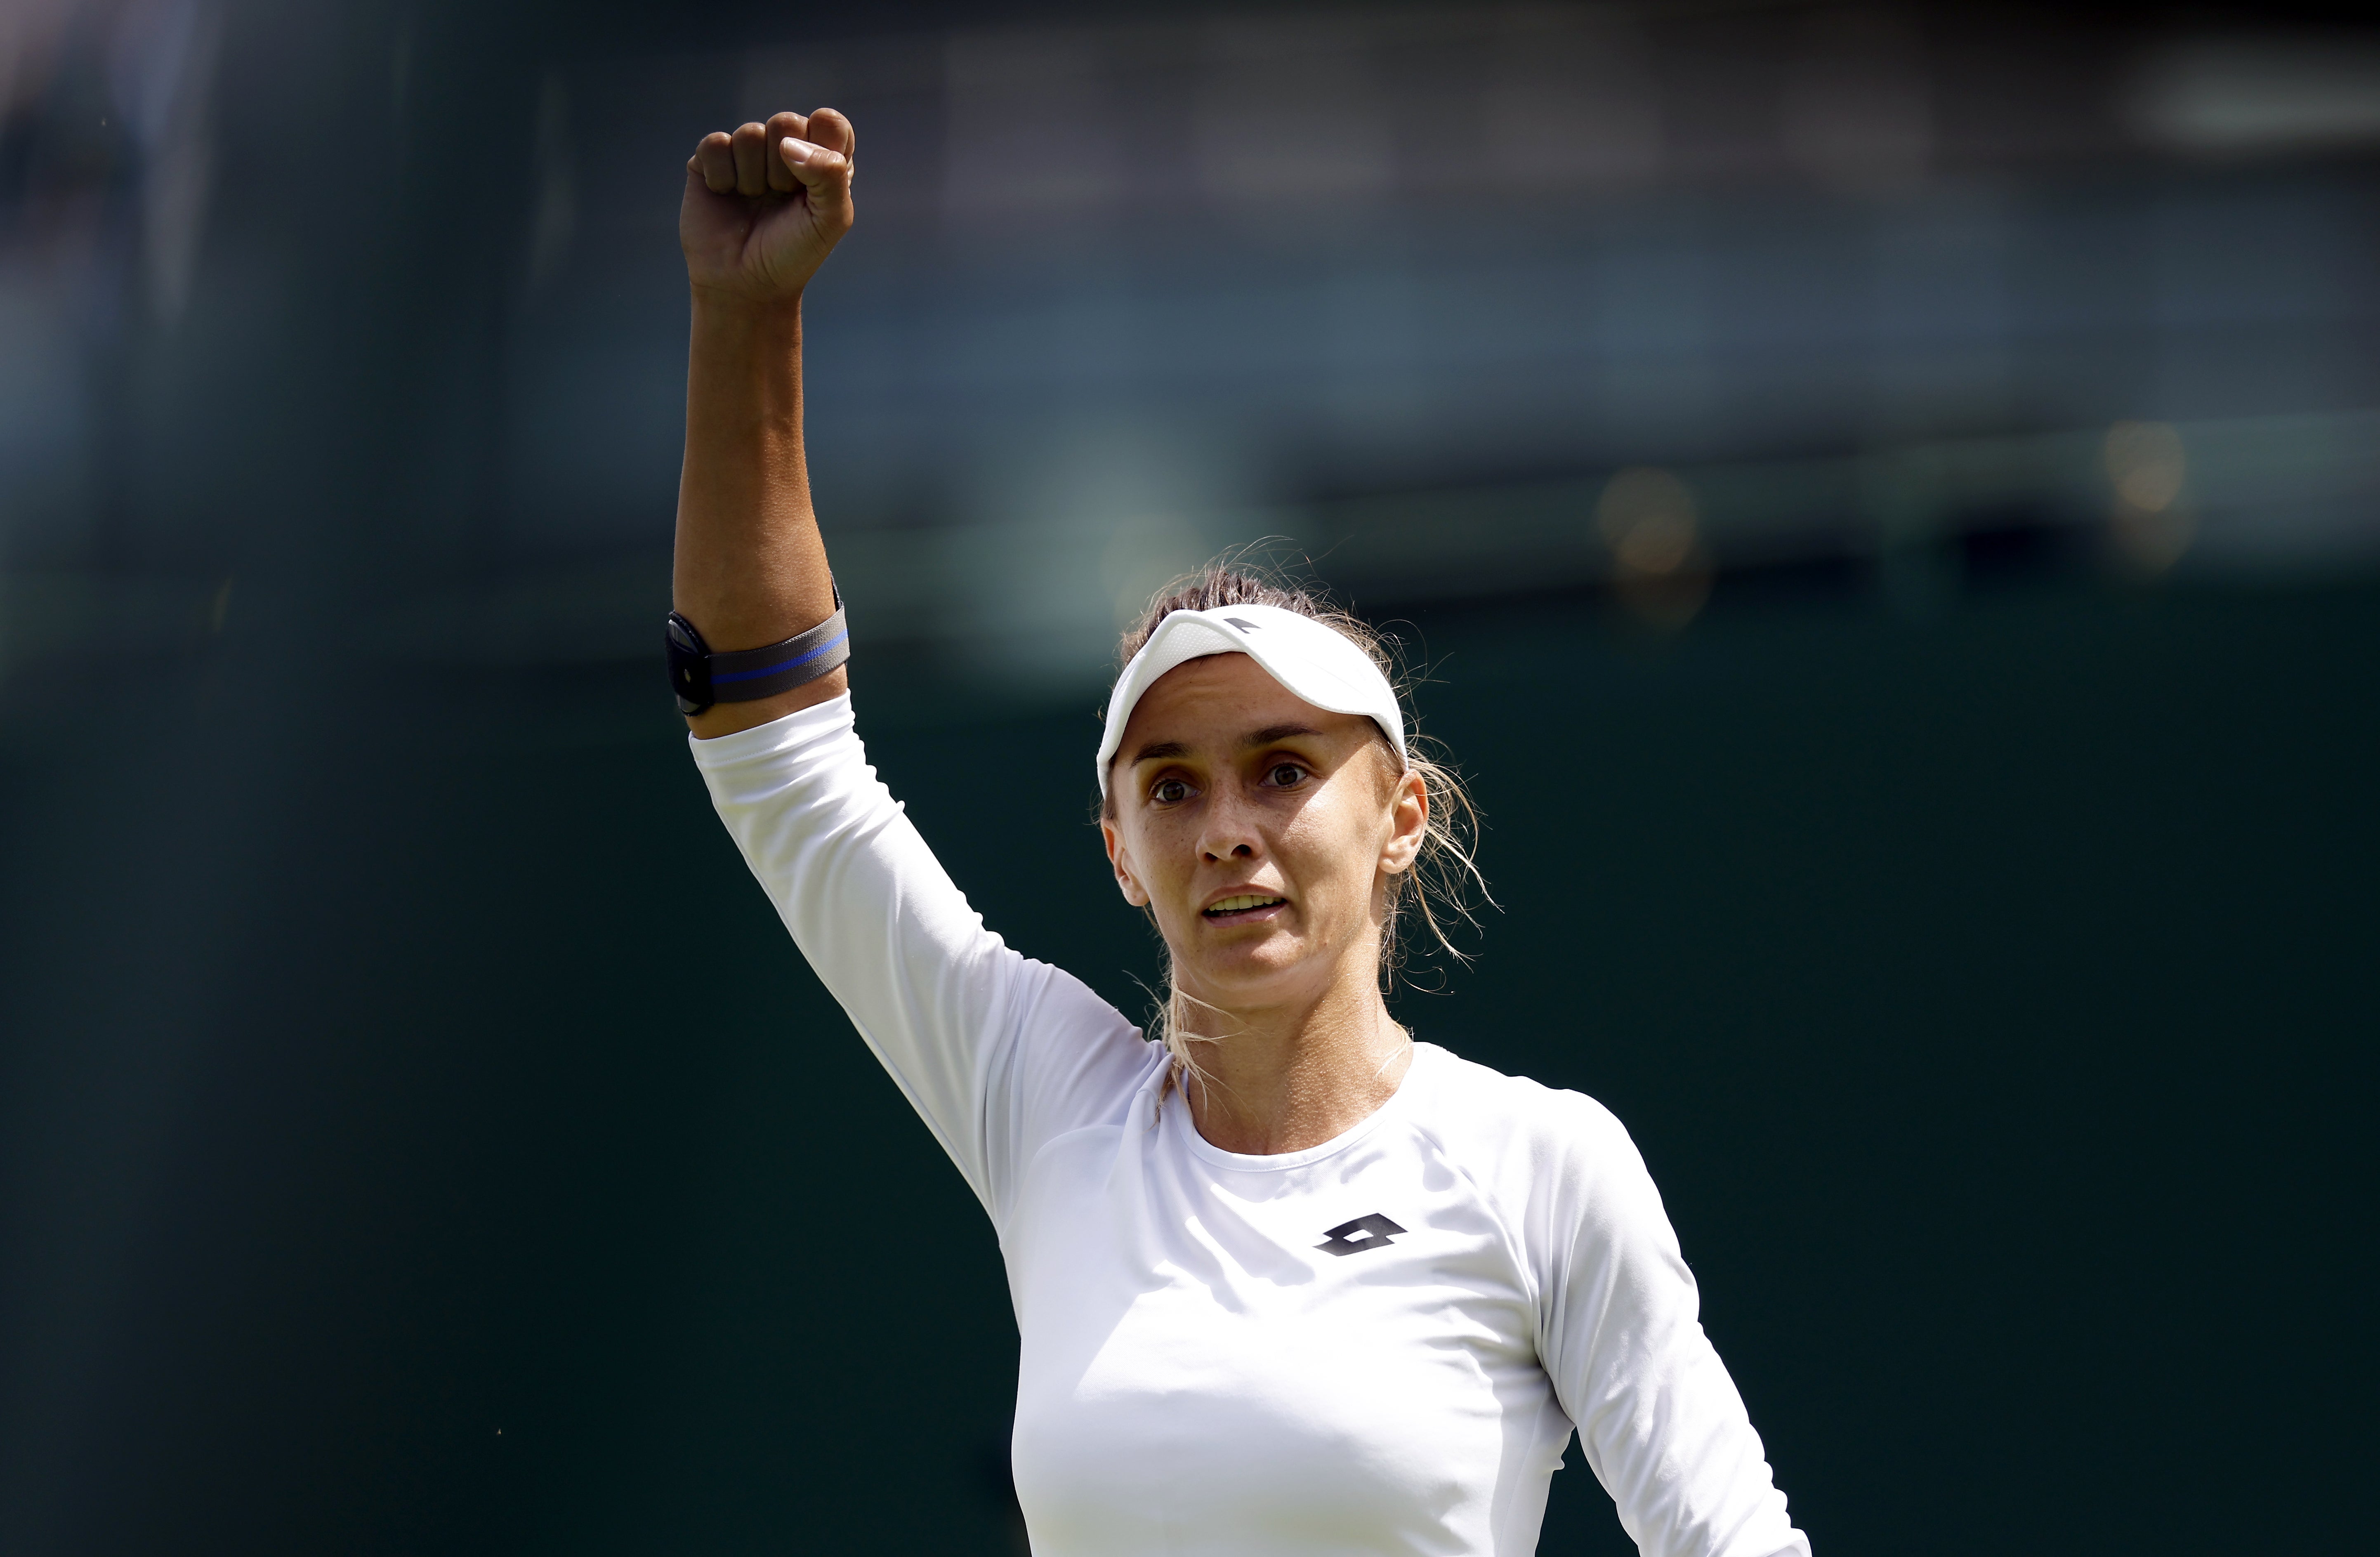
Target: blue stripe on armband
x=718, y=680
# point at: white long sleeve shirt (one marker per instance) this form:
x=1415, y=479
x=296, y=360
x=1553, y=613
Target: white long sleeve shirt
x=1377, y=1345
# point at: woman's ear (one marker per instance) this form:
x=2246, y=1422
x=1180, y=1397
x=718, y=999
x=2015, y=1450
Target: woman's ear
x=1121, y=862
x=1408, y=824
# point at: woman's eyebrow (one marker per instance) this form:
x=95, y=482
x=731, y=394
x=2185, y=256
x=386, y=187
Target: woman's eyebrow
x=1273, y=733
x=1160, y=751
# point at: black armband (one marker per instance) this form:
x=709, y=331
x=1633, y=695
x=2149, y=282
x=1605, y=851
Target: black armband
x=702, y=678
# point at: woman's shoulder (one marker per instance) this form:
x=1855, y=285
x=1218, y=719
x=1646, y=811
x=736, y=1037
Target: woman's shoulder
x=1516, y=1132
x=1468, y=1091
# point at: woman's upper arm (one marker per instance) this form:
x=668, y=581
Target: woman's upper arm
x=938, y=997
x=1659, y=1419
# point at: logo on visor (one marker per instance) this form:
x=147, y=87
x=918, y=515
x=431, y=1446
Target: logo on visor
x=1371, y=1232
x=1246, y=626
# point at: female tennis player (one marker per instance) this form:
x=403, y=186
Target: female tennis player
x=1287, y=1281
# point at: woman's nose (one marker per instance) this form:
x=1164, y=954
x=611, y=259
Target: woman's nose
x=1228, y=836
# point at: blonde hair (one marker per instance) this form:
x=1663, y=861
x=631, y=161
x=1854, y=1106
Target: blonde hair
x=1444, y=875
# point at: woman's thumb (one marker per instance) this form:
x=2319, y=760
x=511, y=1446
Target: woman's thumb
x=825, y=174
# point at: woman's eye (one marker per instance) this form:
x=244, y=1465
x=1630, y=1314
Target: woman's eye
x=1286, y=773
x=1169, y=792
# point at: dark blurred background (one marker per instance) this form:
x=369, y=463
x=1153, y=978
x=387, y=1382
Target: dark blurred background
x=1887, y=501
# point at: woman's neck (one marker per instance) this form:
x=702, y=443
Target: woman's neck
x=1283, y=1078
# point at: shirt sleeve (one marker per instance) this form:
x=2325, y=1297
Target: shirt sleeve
x=1658, y=1418
x=996, y=1053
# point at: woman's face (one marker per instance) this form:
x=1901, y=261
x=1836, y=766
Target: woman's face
x=1260, y=830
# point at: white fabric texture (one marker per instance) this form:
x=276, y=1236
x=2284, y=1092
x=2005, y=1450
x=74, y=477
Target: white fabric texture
x=1199, y=1375
x=1316, y=662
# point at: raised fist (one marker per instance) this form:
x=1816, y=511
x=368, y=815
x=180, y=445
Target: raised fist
x=764, y=206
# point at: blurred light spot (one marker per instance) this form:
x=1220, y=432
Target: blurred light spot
x=219, y=610
x=2258, y=94
x=1659, y=571
x=2151, y=543
x=2144, y=461
x=2150, y=527
x=1646, y=517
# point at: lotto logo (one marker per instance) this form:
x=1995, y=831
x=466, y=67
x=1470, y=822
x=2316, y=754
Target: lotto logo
x=1371, y=1232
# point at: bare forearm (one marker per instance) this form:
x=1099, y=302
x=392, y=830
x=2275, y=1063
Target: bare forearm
x=750, y=566
x=762, y=209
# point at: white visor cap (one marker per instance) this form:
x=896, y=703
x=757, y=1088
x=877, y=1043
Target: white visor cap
x=1313, y=661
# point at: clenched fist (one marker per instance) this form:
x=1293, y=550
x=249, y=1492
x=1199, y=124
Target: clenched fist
x=764, y=206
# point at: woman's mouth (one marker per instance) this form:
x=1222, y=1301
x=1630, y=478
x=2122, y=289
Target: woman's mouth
x=1243, y=907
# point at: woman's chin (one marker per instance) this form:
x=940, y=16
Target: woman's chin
x=1267, y=973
